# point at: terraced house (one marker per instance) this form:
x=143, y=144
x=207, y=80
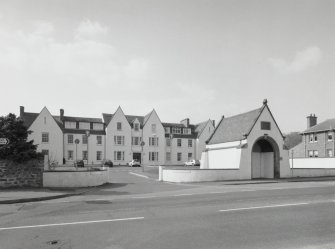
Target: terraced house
x=317, y=140
x=118, y=137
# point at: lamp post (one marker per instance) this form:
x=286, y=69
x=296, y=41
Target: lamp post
x=87, y=135
x=142, y=145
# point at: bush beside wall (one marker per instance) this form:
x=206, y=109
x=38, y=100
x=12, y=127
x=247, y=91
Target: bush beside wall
x=28, y=174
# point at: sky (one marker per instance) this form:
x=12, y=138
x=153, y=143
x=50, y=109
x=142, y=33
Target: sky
x=196, y=59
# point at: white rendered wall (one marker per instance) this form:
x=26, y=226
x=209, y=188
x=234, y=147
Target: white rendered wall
x=112, y=131
x=313, y=163
x=224, y=158
x=46, y=123
x=160, y=134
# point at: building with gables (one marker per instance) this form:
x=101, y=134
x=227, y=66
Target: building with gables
x=118, y=137
x=249, y=145
x=151, y=141
x=66, y=139
x=317, y=140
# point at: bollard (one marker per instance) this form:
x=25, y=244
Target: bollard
x=160, y=175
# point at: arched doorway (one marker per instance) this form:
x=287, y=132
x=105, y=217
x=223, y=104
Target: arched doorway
x=265, y=158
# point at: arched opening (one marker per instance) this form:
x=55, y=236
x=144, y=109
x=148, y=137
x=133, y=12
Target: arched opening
x=265, y=159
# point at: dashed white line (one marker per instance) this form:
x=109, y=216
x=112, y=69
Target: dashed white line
x=132, y=173
x=259, y=207
x=70, y=223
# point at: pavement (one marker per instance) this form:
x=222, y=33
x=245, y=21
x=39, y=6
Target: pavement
x=16, y=195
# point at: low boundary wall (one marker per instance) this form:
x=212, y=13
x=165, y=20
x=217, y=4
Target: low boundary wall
x=62, y=179
x=312, y=167
x=198, y=175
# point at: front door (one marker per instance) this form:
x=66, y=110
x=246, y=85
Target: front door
x=137, y=156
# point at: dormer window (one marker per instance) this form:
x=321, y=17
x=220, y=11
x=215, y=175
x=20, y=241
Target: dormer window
x=70, y=125
x=84, y=125
x=136, y=126
x=167, y=130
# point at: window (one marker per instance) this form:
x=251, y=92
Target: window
x=176, y=130
x=153, y=128
x=70, y=125
x=330, y=136
x=316, y=153
x=153, y=141
x=187, y=131
x=136, y=140
x=119, y=140
x=168, y=156
x=153, y=156
x=168, y=142
x=99, y=139
x=329, y=153
x=178, y=156
x=179, y=142
x=310, y=153
x=84, y=125
x=190, y=143
x=311, y=138
x=70, y=139
x=265, y=125
x=167, y=130
x=84, y=139
x=99, y=155
x=315, y=138
x=118, y=155
x=119, y=126
x=97, y=126
x=85, y=155
x=137, y=127
x=189, y=156
x=45, y=152
x=45, y=137
x=70, y=155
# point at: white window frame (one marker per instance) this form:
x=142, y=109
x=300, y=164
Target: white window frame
x=176, y=130
x=179, y=156
x=84, y=125
x=331, y=154
x=70, y=138
x=136, y=126
x=70, y=152
x=45, y=137
x=330, y=136
x=99, y=155
x=119, y=140
x=179, y=142
x=153, y=141
x=190, y=143
x=153, y=156
x=119, y=156
x=85, y=155
x=99, y=140
x=85, y=139
x=70, y=125
x=168, y=156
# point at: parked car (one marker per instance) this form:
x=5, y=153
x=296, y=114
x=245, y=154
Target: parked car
x=108, y=163
x=192, y=163
x=79, y=163
x=134, y=163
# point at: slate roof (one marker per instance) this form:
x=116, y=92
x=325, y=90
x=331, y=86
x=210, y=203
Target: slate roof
x=173, y=125
x=198, y=128
x=327, y=125
x=234, y=128
x=130, y=118
x=292, y=139
x=82, y=119
x=28, y=118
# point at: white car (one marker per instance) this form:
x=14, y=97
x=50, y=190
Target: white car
x=134, y=163
x=192, y=163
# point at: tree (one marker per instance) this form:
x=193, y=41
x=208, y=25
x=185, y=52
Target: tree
x=18, y=149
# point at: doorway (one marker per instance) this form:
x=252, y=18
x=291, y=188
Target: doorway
x=137, y=156
x=265, y=159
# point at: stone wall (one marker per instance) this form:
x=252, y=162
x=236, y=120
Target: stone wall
x=29, y=174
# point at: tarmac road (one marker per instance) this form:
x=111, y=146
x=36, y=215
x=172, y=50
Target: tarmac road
x=198, y=216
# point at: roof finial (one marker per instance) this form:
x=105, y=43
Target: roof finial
x=265, y=102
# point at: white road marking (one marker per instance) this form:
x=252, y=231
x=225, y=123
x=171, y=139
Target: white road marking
x=144, y=197
x=70, y=223
x=183, y=195
x=259, y=207
x=138, y=175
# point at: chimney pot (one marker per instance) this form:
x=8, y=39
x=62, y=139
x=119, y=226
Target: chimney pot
x=61, y=114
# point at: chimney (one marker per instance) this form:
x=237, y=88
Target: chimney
x=61, y=114
x=312, y=120
x=21, y=111
x=185, y=122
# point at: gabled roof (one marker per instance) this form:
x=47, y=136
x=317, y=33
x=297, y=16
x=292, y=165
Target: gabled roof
x=107, y=118
x=199, y=128
x=327, y=125
x=234, y=128
x=130, y=118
